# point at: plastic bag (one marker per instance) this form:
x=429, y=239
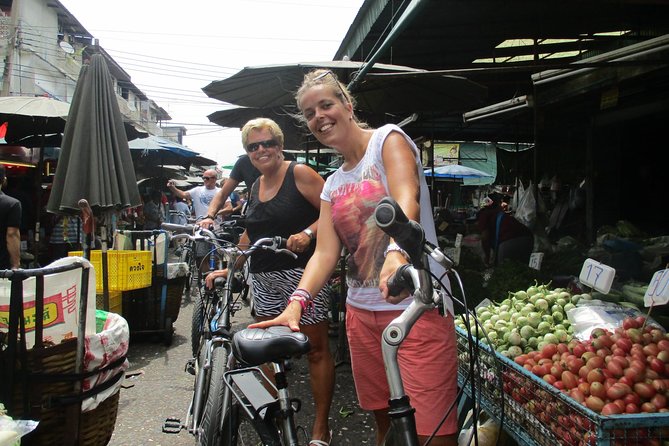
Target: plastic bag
x=599, y=314
x=526, y=213
x=487, y=432
x=11, y=431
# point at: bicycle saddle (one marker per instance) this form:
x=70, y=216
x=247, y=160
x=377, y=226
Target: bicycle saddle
x=255, y=346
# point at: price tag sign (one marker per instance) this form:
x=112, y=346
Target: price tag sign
x=597, y=275
x=658, y=289
x=535, y=260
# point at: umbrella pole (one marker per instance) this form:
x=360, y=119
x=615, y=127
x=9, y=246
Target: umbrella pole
x=105, y=269
x=38, y=198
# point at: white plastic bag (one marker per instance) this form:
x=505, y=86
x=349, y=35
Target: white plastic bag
x=487, y=431
x=526, y=213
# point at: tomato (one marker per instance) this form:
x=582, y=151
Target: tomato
x=633, y=374
x=656, y=365
x=577, y=395
x=550, y=379
x=597, y=389
x=663, y=344
x=617, y=391
x=630, y=323
x=579, y=349
x=632, y=398
x=595, y=403
x=584, y=388
x=659, y=401
x=556, y=371
x=644, y=390
x=631, y=408
x=562, y=348
x=575, y=364
x=595, y=375
x=663, y=355
x=569, y=379
x=660, y=385
x=651, y=349
x=648, y=408
x=611, y=409
x=520, y=359
x=621, y=405
x=625, y=344
x=548, y=350
x=595, y=362
x=617, y=351
x=624, y=363
x=583, y=372
x=641, y=321
x=615, y=368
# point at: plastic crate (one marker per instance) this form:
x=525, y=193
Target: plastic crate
x=115, y=302
x=536, y=413
x=127, y=270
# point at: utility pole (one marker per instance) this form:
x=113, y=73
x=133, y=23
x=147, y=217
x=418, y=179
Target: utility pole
x=11, y=47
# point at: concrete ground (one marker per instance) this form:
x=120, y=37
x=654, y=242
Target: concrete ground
x=163, y=389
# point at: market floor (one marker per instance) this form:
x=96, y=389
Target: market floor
x=163, y=389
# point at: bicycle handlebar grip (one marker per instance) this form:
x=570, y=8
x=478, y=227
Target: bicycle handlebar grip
x=394, y=222
x=280, y=242
x=400, y=280
x=179, y=229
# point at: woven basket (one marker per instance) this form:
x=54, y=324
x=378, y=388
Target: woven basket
x=56, y=422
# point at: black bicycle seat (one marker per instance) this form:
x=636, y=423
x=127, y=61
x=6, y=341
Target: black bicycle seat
x=255, y=346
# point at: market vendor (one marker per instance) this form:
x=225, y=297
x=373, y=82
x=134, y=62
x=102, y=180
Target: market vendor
x=502, y=234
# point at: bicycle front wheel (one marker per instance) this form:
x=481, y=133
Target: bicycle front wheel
x=197, y=325
x=213, y=407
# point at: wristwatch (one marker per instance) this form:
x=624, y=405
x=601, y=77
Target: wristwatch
x=310, y=233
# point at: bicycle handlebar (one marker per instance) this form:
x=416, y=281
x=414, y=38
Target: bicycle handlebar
x=408, y=234
x=179, y=229
x=276, y=244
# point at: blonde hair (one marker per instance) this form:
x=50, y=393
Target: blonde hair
x=260, y=124
x=321, y=76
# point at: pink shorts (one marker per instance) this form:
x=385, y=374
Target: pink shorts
x=427, y=359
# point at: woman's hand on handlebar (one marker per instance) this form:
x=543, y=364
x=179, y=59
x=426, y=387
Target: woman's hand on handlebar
x=298, y=242
x=209, y=279
x=290, y=318
x=393, y=261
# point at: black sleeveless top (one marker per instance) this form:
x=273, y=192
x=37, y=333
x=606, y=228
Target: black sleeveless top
x=287, y=213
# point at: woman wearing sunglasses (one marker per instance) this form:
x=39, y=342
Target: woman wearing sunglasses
x=377, y=163
x=284, y=201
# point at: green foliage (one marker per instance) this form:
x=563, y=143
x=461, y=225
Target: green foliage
x=510, y=276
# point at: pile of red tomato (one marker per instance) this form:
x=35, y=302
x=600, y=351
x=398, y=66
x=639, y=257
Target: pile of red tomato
x=626, y=371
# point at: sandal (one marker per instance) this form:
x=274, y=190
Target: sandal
x=321, y=442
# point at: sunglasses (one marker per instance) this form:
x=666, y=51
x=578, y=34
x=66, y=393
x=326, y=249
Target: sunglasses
x=208, y=178
x=344, y=96
x=268, y=144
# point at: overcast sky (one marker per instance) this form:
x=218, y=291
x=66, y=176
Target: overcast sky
x=172, y=49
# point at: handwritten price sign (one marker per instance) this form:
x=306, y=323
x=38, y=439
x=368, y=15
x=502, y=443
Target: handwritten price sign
x=658, y=289
x=596, y=275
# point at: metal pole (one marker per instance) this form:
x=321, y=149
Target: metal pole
x=409, y=13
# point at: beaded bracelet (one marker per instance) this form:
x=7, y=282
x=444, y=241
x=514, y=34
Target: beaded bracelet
x=304, y=298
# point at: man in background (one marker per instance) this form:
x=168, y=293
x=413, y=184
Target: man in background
x=10, y=222
x=200, y=196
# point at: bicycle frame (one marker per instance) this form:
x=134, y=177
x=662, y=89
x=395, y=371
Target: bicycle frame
x=417, y=278
x=248, y=386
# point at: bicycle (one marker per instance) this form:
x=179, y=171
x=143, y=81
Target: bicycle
x=417, y=278
x=214, y=338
